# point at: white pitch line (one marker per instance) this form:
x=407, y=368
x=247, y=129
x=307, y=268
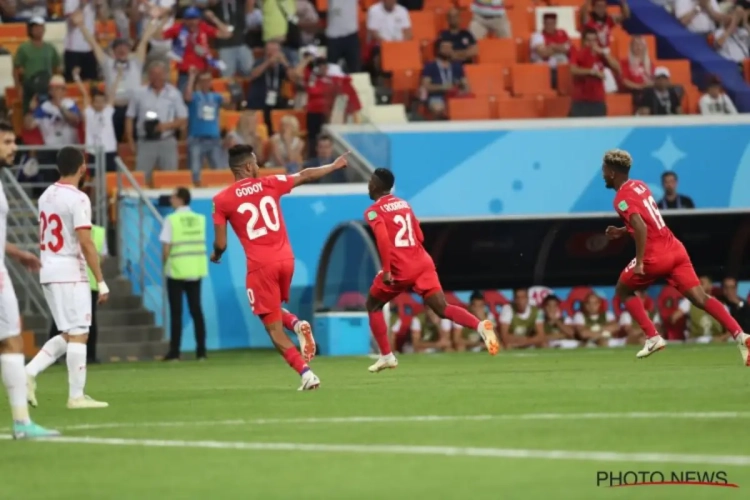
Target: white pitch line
x=415, y=418
x=450, y=451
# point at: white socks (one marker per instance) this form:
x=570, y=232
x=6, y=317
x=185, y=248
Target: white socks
x=76, y=359
x=14, y=380
x=50, y=352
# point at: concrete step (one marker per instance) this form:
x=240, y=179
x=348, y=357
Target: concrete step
x=111, y=268
x=145, y=351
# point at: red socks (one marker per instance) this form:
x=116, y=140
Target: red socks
x=294, y=359
x=461, y=316
x=720, y=313
x=380, y=332
x=635, y=307
x=288, y=320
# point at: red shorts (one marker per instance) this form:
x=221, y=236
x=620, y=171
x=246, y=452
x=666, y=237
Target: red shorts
x=423, y=284
x=268, y=287
x=673, y=265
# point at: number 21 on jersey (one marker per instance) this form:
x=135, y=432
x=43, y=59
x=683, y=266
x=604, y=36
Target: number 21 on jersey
x=653, y=211
x=267, y=211
x=50, y=232
x=405, y=234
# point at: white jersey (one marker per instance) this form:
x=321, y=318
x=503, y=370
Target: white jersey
x=62, y=210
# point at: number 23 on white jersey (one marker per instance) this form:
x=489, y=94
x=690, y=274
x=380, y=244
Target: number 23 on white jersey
x=268, y=211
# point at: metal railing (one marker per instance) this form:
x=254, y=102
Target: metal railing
x=23, y=231
x=139, y=250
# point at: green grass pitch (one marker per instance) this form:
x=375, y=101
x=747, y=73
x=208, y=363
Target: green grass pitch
x=463, y=426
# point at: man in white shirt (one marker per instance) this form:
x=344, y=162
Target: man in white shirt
x=388, y=22
x=342, y=32
x=66, y=248
x=715, y=101
x=57, y=118
x=699, y=16
x=732, y=39
x=11, y=342
x=78, y=52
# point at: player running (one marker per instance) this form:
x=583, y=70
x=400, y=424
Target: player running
x=252, y=206
x=406, y=266
x=66, y=248
x=658, y=254
x=11, y=342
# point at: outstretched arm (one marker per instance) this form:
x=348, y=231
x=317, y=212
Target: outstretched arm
x=315, y=173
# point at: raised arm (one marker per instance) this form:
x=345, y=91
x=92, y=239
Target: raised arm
x=81, y=88
x=314, y=173
x=76, y=19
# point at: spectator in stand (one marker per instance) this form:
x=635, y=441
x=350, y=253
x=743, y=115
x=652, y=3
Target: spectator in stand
x=308, y=22
x=246, y=133
x=267, y=77
x=430, y=333
x=464, y=44
x=27, y=9
x=521, y=324
x=699, y=16
x=35, y=62
x=342, y=33
x=280, y=26
x=123, y=60
x=204, y=135
x=594, y=326
x=715, y=101
x=732, y=39
x=286, y=146
x=662, y=98
x=323, y=156
x=594, y=16
x=237, y=56
x=156, y=112
x=672, y=199
x=489, y=17
x=58, y=117
x=558, y=327
x=587, y=68
x=144, y=12
x=191, y=43
x=738, y=307
x=637, y=71
x=551, y=45
x=98, y=109
x=702, y=328
x=442, y=79
x=467, y=339
x=78, y=52
x=386, y=22
x=120, y=10
x=632, y=333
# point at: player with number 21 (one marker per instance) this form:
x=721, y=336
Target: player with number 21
x=252, y=206
x=658, y=255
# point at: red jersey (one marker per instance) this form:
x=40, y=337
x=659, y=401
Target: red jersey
x=252, y=208
x=557, y=37
x=398, y=236
x=634, y=197
x=634, y=73
x=588, y=88
x=603, y=28
x=195, y=45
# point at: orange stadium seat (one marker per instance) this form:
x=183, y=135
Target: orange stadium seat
x=161, y=179
x=556, y=107
x=403, y=61
x=469, y=109
x=216, y=178
x=437, y=4
x=13, y=31
x=619, y=105
x=520, y=108
x=564, y=79
x=521, y=22
x=423, y=26
x=138, y=176
x=679, y=71
x=228, y=119
x=497, y=51
x=690, y=100
x=487, y=79
x=322, y=5
x=531, y=79
x=278, y=114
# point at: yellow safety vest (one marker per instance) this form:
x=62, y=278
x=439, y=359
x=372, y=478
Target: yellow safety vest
x=187, y=255
x=97, y=235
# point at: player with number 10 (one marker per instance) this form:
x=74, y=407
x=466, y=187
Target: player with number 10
x=406, y=267
x=658, y=254
x=252, y=206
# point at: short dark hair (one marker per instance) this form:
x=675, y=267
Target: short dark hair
x=239, y=155
x=6, y=126
x=69, y=160
x=476, y=295
x=183, y=194
x=520, y=289
x=95, y=92
x=588, y=31
x=668, y=174
x=324, y=137
x=386, y=178
x=551, y=298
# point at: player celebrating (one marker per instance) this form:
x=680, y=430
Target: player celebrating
x=658, y=254
x=66, y=247
x=406, y=266
x=11, y=342
x=252, y=207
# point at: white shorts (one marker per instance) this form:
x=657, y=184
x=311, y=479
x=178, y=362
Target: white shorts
x=10, y=317
x=70, y=305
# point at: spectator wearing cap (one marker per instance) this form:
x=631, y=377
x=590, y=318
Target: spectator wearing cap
x=191, y=40
x=464, y=44
x=79, y=53
x=715, y=101
x=233, y=51
x=35, y=62
x=155, y=113
x=662, y=98
x=587, y=67
x=551, y=45
x=342, y=33
x=732, y=39
x=204, y=138
x=672, y=199
x=123, y=60
x=28, y=9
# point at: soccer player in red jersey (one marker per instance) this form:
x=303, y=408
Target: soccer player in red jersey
x=406, y=266
x=658, y=254
x=251, y=205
